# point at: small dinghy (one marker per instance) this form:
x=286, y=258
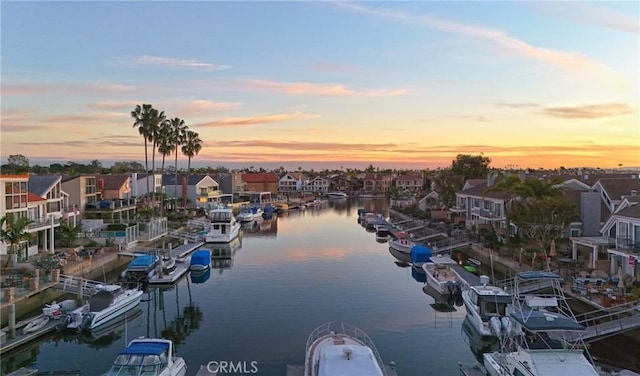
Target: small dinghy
x=36, y=324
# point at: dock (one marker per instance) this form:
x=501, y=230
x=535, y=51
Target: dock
x=298, y=370
x=473, y=370
x=34, y=372
x=21, y=338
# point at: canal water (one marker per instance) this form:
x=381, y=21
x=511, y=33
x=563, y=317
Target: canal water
x=286, y=276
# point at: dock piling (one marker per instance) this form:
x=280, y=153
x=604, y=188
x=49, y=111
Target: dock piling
x=12, y=320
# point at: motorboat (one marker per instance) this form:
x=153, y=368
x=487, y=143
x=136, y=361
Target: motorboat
x=442, y=277
x=168, y=264
x=250, y=213
x=543, y=337
x=107, y=303
x=420, y=254
x=487, y=309
x=401, y=242
x=142, y=268
x=200, y=260
x=337, y=349
x=148, y=356
x=223, y=226
x=472, y=265
x=337, y=194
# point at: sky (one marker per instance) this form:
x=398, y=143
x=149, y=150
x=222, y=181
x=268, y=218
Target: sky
x=326, y=84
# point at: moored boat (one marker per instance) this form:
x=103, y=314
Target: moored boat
x=200, y=260
x=148, y=356
x=141, y=268
x=487, y=309
x=336, y=348
x=442, y=277
x=337, y=194
x=223, y=226
x=401, y=243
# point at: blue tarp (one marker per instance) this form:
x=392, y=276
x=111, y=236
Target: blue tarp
x=201, y=257
x=143, y=261
x=420, y=253
x=146, y=348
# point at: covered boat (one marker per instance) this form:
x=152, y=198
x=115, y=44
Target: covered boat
x=200, y=260
x=148, y=356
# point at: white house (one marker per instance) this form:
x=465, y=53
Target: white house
x=317, y=185
x=200, y=190
x=292, y=182
x=138, y=184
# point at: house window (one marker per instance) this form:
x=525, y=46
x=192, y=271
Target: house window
x=575, y=232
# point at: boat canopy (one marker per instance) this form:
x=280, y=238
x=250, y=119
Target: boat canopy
x=538, y=275
x=143, y=261
x=538, y=321
x=201, y=257
x=348, y=360
x=146, y=348
x=420, y=253
x=100, y=300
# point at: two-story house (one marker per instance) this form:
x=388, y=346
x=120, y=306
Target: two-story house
x=481, y=207
x=623, y=229
x=261, y=182
x=342, y=183
x=317, y=185
x=115, y=204
x=140, y=181
x=82, y=191
x=409, y=183
x=200, y=190
x=292, y=182
x=377, y=182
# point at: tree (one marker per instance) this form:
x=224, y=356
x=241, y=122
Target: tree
x=141, y=119
x=510, y=186
x=447, y=184
x=178, y=135
x=191, y=147
x=166, y=145
x=155, y=124
x=17, y=164
x=68, y=234
x=543, y=219
x=470, y=166
x=13, y=231
x=96, y=166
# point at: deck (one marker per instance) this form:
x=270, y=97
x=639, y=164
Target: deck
x=298, y=370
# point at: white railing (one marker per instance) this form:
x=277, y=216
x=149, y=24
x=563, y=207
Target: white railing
x=337, y=327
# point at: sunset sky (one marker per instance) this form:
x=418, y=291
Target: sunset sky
x=326, y=84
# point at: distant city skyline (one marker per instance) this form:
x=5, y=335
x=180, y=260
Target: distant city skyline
x=326, y=84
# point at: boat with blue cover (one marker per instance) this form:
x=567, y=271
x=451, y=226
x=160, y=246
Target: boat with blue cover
x=148, y=356
x=141, y=268
x=200, y=260
x=419, y=255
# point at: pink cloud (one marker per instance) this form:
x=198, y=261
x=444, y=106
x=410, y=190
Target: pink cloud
x=324, y=90
x=265, y=119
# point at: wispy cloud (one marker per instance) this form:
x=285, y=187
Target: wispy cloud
x=169, y=62
x=568, y=60
x=113, y=105
x=254, y=120
x=200, y=106
x=588, y=111
x=518, y=104
x=314, y=89
x=331, y=67
x=21, y=89
x=588, y=14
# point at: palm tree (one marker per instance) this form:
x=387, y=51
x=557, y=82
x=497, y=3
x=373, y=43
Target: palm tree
x=14, y=231
x=166, y=146
x=68, y=233
x=191, y=147
x=511, y=187
x=177, y=136
x=155, y=124
x=141, y=116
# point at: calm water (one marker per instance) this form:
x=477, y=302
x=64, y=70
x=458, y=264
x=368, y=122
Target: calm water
x=288, y=276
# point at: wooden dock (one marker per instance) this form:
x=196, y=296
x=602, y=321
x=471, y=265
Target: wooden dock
x=21, y=338
x=182, y=268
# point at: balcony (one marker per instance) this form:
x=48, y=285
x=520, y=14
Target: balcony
x=487, y=214
x=42, y=222
x=458, y=209
x=112, y=205
x=628, y=245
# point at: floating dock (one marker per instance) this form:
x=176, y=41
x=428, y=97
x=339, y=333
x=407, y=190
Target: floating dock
x=21, y=338
x=182, y=255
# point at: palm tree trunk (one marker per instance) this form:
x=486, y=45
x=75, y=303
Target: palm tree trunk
x=146, y=165
x=161, y=195
x=153, y=169
x=175, y=182
x=184, y=198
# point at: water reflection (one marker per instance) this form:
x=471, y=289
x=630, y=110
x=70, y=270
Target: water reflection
x=402, y=257
x=477, y=343
x=222, y=255
x=263, y=228
x=200, y=276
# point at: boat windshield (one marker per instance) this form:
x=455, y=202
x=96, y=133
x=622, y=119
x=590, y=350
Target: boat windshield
x=138, y=365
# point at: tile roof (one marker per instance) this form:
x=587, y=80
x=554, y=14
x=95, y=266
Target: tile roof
x=112, y=182
x=41, y=184
x=260, y=177
x=31, y=197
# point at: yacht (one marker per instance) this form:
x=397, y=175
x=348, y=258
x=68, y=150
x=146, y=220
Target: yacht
x=148, y=356
x=223, y=225
x=250, y=213
x=487, y=309
x=401, y=243
x=107, y=303
x=337, y=194
x=544, y=338
x=444, y=279
x=336, y=348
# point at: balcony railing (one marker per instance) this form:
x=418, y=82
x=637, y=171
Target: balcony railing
x=42, y=222
x=112, y=204
x=486, y=213
x=628, y=245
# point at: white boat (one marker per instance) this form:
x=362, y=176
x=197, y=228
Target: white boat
x=544, y=338
x=402, y=243
x=36, y=324
x=223, y=226
x=337, y=349
x=148, y=356
x=169, y=265
x=488, y=309
x=143, y=267
x=107, y=303
x=337, y=194
x=442, y=277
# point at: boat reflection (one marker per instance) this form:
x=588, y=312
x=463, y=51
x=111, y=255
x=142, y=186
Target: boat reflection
x=200, y=276
x=267, y=228
x=400, y=256
x=449, y=300
x=419, y=277
x=222, y=255
x=476, y=342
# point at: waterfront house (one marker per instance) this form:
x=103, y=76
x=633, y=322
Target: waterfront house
x=292, y=182
x=82, y=191
x=114, y=187
x=377, y=182
x=342, y=183
x=138, y=183
x=200, y=190
x=482, y=208
x=623, y=231
x=261, y=182
x=431, y=201
x=410, y=183
x=115, y=203
x=317, y=185
x=229, y=183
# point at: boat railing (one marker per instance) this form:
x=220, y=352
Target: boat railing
x=346, y=329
